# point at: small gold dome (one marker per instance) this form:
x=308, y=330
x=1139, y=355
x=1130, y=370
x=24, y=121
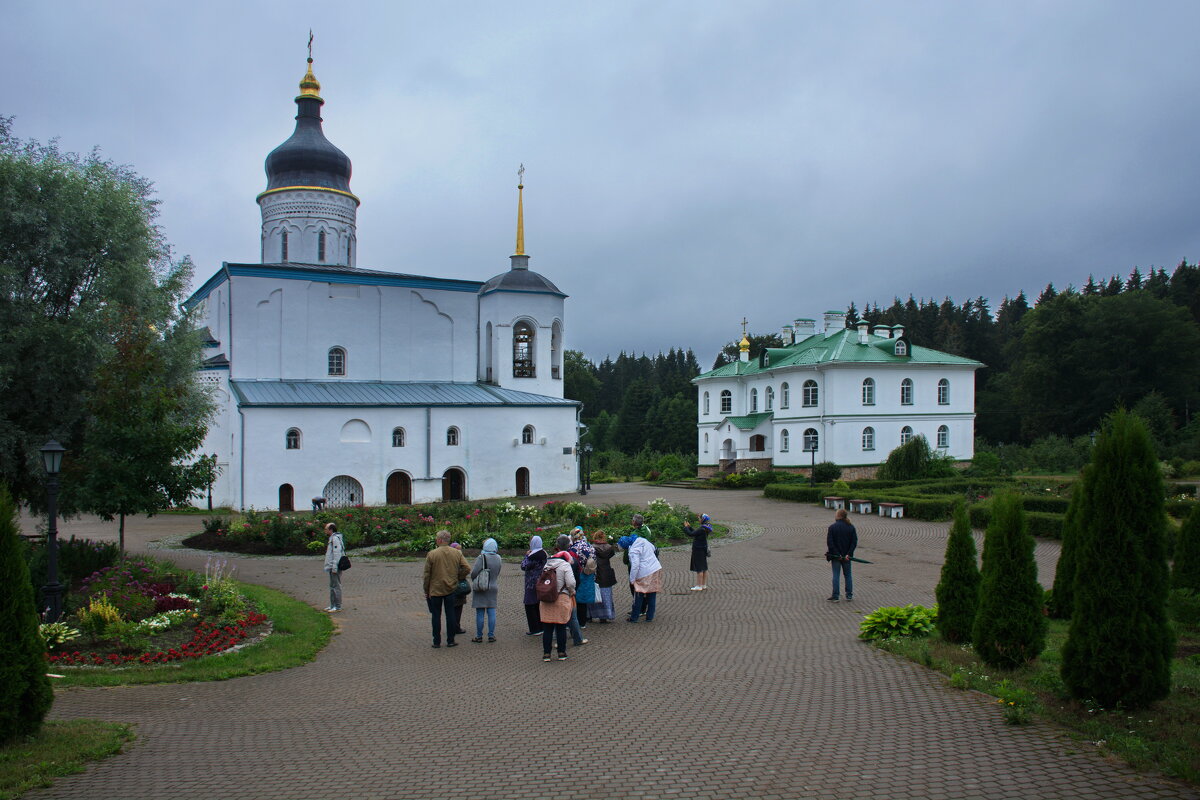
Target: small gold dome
x=745, y=343
x=309, y=85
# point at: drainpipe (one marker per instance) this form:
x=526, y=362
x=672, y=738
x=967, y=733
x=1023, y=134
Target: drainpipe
x=428, y=443
x=242, y=461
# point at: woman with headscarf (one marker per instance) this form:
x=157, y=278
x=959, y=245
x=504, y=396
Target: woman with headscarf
x=555, y=615
x=645, y=575
x=532, y=565
x=606, y=578
x=640, y=528
x=484, y=602
x=585, y=591
x=699, y=565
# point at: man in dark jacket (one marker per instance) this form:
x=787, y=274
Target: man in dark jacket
x=839, y=547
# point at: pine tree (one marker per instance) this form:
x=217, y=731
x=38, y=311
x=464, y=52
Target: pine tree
x=1186, y=574
x=1010, y=629
x=1062, y=599
x=25, y=693
x=958, y=592
x=1119, y=647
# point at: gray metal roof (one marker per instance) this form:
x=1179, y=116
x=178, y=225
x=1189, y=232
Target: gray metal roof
x=384, y=393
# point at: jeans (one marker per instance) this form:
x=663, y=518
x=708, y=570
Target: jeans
x=439, y=605
x=335, y=589
x=573, y=627
x=551, y=631
x=491, y=620
x=650, y=600
x=838, y=568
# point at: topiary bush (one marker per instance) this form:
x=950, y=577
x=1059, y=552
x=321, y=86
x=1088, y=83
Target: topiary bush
x=958, y=591
x=1062, y=596
x=826, y=472
x=1186, y=572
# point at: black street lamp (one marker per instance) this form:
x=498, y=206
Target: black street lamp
x=586, y=481
x=52, y=454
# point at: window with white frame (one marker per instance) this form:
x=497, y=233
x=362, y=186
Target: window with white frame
x=868, y=438
x=706, y=404
x=753, y=400
x=943, y=392
x=906, y=435
x=292, y=439
x=769, y=399
x=906, y=392
x=943, y=436
x=784, y=440
x=868, y=392
x=397, y=437
x=706, y=442
x=337, y=361
x=811, y=440
x=810, y=394
x=901, y=347
x=785, y=395
x=452, y=436
x=726, y=401
x=527, y=434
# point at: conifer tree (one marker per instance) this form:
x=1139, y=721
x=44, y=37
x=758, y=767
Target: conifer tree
x=1119, y=646
x=25, y=693
x=958, y=592
x=1186, y=574
x=1062, y=599
x=1010, y=629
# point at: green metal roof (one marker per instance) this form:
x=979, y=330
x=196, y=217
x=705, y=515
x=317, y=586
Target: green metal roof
x=750, y=421
x=839, y=347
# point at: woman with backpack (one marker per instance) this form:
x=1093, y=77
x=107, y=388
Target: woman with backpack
x=606, y=578
x=585, y=556
x=532, y=565
x=485, y=585
x=556, y=596
x=645, y=575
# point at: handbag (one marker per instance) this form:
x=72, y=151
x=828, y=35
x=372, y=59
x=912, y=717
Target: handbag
x=483, y=580
x=463, y=588
x=343, y=563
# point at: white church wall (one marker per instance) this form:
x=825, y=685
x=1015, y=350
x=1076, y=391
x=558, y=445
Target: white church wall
x=504, y=310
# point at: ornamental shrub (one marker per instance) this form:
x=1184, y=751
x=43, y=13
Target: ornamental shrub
x=1010, y=629
x=25, y=693
x=958, y=591
x=1186, y=573
x=826, y=472
x=1062, y=597
x=892, y=621
x=1118, y=649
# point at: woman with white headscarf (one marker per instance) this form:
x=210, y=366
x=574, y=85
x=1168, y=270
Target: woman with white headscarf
x=532, y=565
x=484, y=602
x=645, y=575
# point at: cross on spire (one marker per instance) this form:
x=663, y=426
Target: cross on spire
x=520, y=176
x=310, y=41
x=743, y=326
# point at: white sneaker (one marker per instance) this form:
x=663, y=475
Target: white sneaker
x=695, y=588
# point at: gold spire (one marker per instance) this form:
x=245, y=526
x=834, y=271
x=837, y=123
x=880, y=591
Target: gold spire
x=520, y=212
x=744, y=345
x=309, y=85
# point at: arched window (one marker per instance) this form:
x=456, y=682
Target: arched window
x=348, y=259
x=943, y=436
x=726, y=401
x=901, y=347
x=397, y=437
x=906, y=435
x=321, y=246
x=706, y=404
x=753, y=400
x=706, y=442
x=523, y=351
x=527, y=435
x=769, y=399
x=785, y=395
x=811, y=440
x=556, y=350
x=868, y=439
x=283, y=254
x=337, y=361
x=784, y=440
x=810, y=396
x=868, y=392
x=292, y=439
x=906, y=392
x=943, y=392
x=758, y=443
x=452, y=436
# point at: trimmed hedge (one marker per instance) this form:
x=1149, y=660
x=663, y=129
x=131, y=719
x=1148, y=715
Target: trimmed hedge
x=795, y=493
x=1054, y=505
x=1179, y=509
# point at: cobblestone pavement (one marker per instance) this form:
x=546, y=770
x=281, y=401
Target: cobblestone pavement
x=757, y=688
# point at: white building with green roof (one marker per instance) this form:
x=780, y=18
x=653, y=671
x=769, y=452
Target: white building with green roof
x=846, y=395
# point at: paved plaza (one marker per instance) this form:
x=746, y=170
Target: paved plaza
x=757, y=688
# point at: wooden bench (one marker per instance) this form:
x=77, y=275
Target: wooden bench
x=860, y=506
x=893, y=510
x=835, y=502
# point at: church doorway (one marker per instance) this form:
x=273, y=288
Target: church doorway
x=727, y=449
x=399, y=489
x=342, y=492
x=523, y=482
x=454, y=484
x=287, y=498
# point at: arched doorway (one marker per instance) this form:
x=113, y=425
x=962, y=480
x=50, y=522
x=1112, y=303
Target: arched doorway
x=758, y=443
x=399, y=489
x=287, y=498
x=523, y=482
x=343, y=491
x=454, y=485
x=727, y=449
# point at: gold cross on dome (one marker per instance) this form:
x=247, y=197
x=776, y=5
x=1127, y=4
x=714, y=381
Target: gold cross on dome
x=310, y=40
x=521, y=174
x=743, y=326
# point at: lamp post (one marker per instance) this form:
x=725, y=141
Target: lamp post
x=52, y=454
x=812, y=469
x=586, y=482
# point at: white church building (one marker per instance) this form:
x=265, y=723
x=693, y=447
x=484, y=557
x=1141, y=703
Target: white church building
x=364, y=386
x=845, y=395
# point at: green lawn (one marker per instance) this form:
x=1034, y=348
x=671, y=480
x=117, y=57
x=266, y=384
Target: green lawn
x=61, y=748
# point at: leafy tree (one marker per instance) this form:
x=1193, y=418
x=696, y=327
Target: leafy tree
x=1009, y=629
x=1119, y=646
x=1062, y=598
x=958, y=591
x=914, y=459
x=25, y=693
x=579, y=380
x=1186, y=572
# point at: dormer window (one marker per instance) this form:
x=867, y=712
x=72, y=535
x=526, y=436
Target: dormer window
x=901, y=347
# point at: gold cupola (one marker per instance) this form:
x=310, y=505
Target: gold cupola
x=309, y=85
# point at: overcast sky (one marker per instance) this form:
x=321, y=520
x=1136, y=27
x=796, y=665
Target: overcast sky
x=688, y=163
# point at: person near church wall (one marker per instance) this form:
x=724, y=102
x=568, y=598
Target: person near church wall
x=444, y=568
x=532, y=566
x=335, y=548
x=484, y=603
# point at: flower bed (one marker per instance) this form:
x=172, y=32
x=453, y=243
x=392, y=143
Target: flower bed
x=207, y=640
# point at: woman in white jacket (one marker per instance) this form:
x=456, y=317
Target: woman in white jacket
x=645, y=575
x=335, y=548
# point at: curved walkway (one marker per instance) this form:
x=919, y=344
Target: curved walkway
x=757, y=688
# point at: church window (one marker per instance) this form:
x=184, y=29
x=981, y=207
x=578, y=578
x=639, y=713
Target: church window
x=726, y=401
x=758, y=443
x=321, y=246
x=868, y=439
x=785, y=395
x=283, y=253
x=348, y=259
x=943, y=392
x=810, y=393
x=397, y=437
x=523, y=350
x=452, y=436
x=556, y=350
x=706, y=442
x=769, y=398
x=906, y=392
x=753, y=401
x=292, y=439
x=811, y=440
x=868, y=392
x=706, y=403
x=906, y=435
x=337, y=361
x=784, y=440
x=901, y=347
x=527, y=434
x=943, y=436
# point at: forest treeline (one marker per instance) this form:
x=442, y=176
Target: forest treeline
x=1053, y=367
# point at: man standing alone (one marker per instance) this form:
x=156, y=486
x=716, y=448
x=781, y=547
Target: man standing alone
x=444, y=568
x=839, y=547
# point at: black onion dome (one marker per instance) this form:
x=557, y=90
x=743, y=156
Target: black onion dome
x=307, y=158
x=520, y=280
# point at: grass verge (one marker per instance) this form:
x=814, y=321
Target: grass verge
x=60, y=748
x=1164, y=737
x=299, y=633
